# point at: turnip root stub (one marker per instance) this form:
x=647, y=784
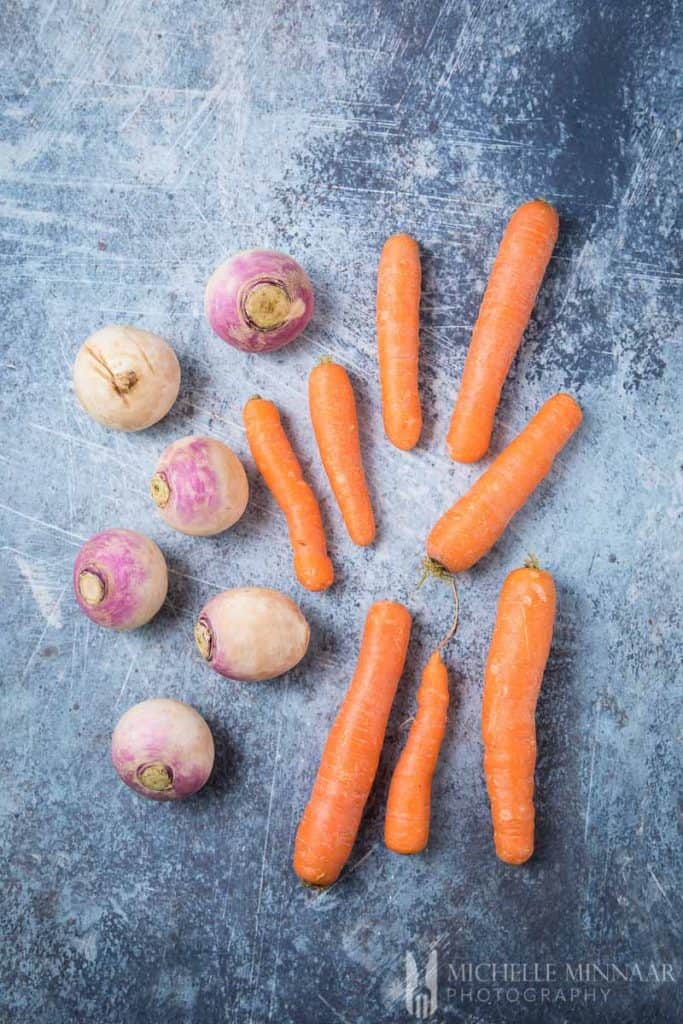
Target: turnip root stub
x=126, y=378
x=120, y=579
x=252, y=633
x=163, y=749
x=200, y=486
x=258, y=300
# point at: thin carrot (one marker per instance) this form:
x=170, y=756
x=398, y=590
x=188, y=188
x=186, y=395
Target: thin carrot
x=513, y=285
x=398, y=339
x=349, y=762
x=406, y=826
x=512, y=682
x=279, y=466
x=473, y=524
x=335, y=423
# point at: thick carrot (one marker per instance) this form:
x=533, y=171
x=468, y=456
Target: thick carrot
x=472, y=526
x=512, y=681
x=406, y=825
x=398, y=339
x=335, y=422
x=279, y=466
x=509, y=298
x=349, y=762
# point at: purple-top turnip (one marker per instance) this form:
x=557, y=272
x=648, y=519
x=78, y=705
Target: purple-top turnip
x=251, y=633
x=258, y=300
x=163, y=749
x=200, y=486
x=125, y=377
x=120, y=579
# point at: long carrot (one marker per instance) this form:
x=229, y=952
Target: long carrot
x=406, y=825
x=513, y=285
x=398, y=339
x=512, y=681
x=349, y=762
x=335, y=423
x=473, y=524
x=279, y=466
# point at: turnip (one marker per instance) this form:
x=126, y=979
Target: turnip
x=126, y=378
x=258, y=300
x=120, y=579
x=163, y=749
x=200, y=486
x=252, y=633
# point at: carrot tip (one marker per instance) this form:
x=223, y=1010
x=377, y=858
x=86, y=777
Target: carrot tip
x=531, y=561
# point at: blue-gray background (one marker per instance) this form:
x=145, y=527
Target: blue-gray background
x=141, y=143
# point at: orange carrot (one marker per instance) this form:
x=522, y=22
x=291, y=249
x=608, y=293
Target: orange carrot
x=509, y=298
x=335, y=423
x=406, y=826
x=279, y=466
x=512, y=681
x=349, y=762
x=398, y=339
x=472, y=526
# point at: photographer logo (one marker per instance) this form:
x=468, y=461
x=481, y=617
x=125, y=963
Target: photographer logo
x=421, y=998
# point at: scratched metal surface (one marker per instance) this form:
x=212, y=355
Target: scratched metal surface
x=142, y=143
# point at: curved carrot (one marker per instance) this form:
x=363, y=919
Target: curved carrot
x=335, y=423
x=472, y=526
x=398, y=339
x=509, y=298
x=279, y=466
x=406, y=825
x=512, y=681
x=349, y=762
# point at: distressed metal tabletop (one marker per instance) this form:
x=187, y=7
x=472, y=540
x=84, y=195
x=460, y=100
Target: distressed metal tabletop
x=140, y=144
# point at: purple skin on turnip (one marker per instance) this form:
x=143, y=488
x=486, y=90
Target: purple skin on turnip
x=258, y=300
x=163, y=749
x=120, y=579
x=200, y=486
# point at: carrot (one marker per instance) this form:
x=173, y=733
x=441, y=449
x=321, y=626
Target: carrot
x=335, y=423
x=472, y=526
x=406, y=826
x=349, y=762
x=509, y=298
x=398, y=339
x=279, y=466
x=512, y=681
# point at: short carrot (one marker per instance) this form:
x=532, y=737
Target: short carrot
x=512, y=682
x=406, y=825
x=279, y=466
x=513, y=285
x=349, y=762
x=335, y=423
x=473, y=524
x=398, y=339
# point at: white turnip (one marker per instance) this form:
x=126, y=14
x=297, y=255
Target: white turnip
x=163, y=749
x=120, y=579
x=126, y=378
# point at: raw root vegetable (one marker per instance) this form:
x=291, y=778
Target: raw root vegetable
x=509, y=298
x=120, y=579
x=512, y=682
x=406, y=826
x=163, y=749
x=335, y=423
x=126, y=378
x=258, y=300
x=349, y=762
x=472, y=526
x=398, y=339
x=251, y=634
x=280, y=468
x=200, y=486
